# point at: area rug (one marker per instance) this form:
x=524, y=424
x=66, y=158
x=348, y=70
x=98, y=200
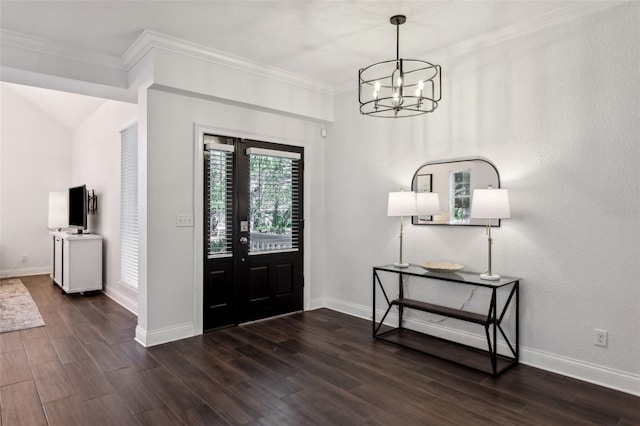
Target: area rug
x=17, y=309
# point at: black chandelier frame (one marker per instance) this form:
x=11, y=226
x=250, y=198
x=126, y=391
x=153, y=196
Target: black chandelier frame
x=420, y=77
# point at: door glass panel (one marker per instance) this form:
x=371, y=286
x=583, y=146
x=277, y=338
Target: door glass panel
x=274, y=204
x=220, y=211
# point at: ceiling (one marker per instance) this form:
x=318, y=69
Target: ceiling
x=324, y=40
x=68, y=109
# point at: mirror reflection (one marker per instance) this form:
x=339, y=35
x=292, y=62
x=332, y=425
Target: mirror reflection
x=454, y=181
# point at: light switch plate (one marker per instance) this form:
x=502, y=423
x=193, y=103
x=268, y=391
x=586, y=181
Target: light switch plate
x=184, y=219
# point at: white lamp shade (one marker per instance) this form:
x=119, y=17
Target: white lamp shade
x=428, y=203
x=58, y=210
x=402, y=204
x=490, y=204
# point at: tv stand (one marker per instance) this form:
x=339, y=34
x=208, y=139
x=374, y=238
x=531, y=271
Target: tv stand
x=77, y=261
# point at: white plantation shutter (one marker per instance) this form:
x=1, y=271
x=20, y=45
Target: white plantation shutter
x=129, y=207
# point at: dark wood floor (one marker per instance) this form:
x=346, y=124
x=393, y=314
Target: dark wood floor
x=318, y=367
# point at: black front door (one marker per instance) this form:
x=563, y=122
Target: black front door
x=253, y=230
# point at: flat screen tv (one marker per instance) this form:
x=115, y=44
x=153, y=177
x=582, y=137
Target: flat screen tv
x=78, y=208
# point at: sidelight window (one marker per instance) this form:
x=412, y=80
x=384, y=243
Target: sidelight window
x=219, y=175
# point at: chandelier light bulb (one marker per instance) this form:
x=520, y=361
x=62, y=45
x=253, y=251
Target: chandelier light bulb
x=397, y=89
x=420, y=85
x=397, y=100
x=377, y=86
x=397, y=77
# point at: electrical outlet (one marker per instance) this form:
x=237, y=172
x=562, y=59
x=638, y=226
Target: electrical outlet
x=183, y=219
x=600, y=337
x=25, y=258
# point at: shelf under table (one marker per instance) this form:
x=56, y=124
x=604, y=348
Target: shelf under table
x=442, y=310
x=445, y=349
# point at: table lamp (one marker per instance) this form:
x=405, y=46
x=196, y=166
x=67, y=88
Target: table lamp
x=490, y=204
x=428, y=203
x=402, y=204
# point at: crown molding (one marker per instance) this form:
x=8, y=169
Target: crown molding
x=149, y=40
x=65, y=84
x=61, y=50
x=535, y=24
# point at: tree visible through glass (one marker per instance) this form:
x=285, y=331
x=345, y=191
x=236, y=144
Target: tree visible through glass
x=219, y=201
x=270, y=203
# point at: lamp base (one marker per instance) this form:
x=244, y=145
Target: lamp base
x=401, y=265
x=491, y=277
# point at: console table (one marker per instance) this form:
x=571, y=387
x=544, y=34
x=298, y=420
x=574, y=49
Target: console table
x=488, y=361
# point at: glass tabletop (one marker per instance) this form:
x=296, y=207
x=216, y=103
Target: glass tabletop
x=459, y=276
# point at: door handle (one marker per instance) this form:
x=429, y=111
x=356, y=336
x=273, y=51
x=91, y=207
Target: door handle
x=244, y=240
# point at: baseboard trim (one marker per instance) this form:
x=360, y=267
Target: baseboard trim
x=164, y=335
x=141, y=336
x=596, y=374
x=23, y=272
x=169, y=334
x=438, y=330
x=592, y=373
x=348, y=308
x=122, y=299
x=316, y=304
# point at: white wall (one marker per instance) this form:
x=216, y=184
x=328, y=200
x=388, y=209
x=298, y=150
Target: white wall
x=95, y=161
x=171, y=280
x=34, y=160
x=557, y=112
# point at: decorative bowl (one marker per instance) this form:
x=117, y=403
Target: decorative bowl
x=442, y=266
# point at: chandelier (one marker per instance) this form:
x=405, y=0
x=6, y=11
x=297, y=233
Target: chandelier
x=399, y=87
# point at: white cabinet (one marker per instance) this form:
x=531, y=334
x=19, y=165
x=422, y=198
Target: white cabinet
x=77, y=261
x=57, y=260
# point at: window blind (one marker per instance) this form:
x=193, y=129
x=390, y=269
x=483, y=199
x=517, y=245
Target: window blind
x=219, y=184
x=129, y=207
x=273, y=153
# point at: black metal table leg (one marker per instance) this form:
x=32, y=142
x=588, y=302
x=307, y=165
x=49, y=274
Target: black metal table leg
x=494, y=323
x=401, y=296
x=373, y=317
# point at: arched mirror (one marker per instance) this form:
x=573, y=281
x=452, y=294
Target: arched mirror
x=454, y=181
